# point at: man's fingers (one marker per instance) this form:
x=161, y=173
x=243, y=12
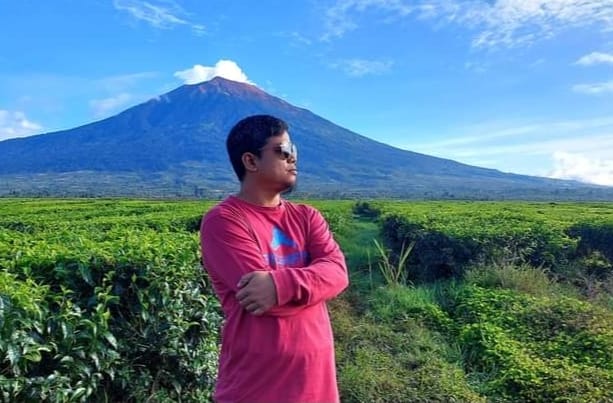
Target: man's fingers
x=245, y=299
x=254, y=293
x=241, y=294
x=244, y=280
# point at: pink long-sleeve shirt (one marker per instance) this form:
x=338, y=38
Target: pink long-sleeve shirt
x=287, y=354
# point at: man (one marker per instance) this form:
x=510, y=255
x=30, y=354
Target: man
x=273, y=264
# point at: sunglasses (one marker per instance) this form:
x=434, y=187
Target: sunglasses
x=285, y=150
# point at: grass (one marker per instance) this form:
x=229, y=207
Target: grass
x=356, y=240
x=381, y=360
x=386, y=351
x=523, y=278
x=396, y=273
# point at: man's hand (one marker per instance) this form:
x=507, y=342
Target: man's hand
x=257, y=293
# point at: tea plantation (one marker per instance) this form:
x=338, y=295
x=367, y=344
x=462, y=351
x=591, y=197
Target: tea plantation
x=105, y=300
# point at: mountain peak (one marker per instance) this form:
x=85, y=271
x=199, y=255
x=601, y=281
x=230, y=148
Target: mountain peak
x=224, y=86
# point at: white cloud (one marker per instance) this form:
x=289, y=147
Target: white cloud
x=121, y=93
x=595, y=58
x=510, y=23
x=16, y=124
x=592, y=144
x=582, y=168
x=340, y=18
x=362, y=67
x=164, y=15
x=506, y=23
x=594, y=88
x=105, y=107
x=533, y=148
x=223, y=68
x=484, y=134
x=198, y=29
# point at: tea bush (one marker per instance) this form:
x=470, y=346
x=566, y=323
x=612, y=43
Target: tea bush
x=115, y=312
x=537, y=349
x=450, y=237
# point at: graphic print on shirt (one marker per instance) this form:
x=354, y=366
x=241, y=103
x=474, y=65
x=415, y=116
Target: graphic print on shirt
x=279, y=238
x=285, y=252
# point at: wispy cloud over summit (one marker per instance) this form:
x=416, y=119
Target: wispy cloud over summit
x=223, y=68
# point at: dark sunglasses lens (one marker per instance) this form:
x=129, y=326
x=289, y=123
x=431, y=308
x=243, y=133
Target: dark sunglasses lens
x=287, y=151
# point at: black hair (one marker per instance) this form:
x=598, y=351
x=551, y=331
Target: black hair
x=249, y=135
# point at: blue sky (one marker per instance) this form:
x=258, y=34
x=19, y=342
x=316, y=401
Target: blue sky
x=523, y=86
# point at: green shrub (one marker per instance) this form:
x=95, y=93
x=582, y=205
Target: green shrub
x=596, y=265
x=50, y=349
x=381, y=362
x=395, y=305
x=366, y=210
x=435, y=255
x=449, y=237
x=523, y=278
x=127, y=316
x=536, y=348
x=593, y=236
x=105, y=300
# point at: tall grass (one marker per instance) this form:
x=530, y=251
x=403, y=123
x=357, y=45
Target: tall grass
x=524, y=278
x=394, y=273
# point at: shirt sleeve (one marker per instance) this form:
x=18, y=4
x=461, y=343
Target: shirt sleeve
x=326, y=275
x=229, y=250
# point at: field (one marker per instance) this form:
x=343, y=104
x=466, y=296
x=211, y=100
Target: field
x=105, y=300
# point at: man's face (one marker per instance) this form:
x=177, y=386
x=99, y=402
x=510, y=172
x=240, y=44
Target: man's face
x=277, y=164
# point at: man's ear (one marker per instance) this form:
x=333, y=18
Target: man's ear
x=250, y=162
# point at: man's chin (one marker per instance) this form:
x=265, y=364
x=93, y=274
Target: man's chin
x=289, y=189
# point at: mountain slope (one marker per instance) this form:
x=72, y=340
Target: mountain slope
x=175, y=145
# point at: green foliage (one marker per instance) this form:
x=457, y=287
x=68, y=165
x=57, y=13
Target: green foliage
x=379, y=362
x=397, y=305
x=366, y=210
x=394, y=273
x=523, y=278
x=450, y=237
x=436, y=255
x=117, y=307
x=337, y=214
x=594, y=235
x=50, y=349
x=536, y=348
x=105, y=300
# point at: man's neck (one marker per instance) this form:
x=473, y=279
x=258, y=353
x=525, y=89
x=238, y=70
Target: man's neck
x=259, y=197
